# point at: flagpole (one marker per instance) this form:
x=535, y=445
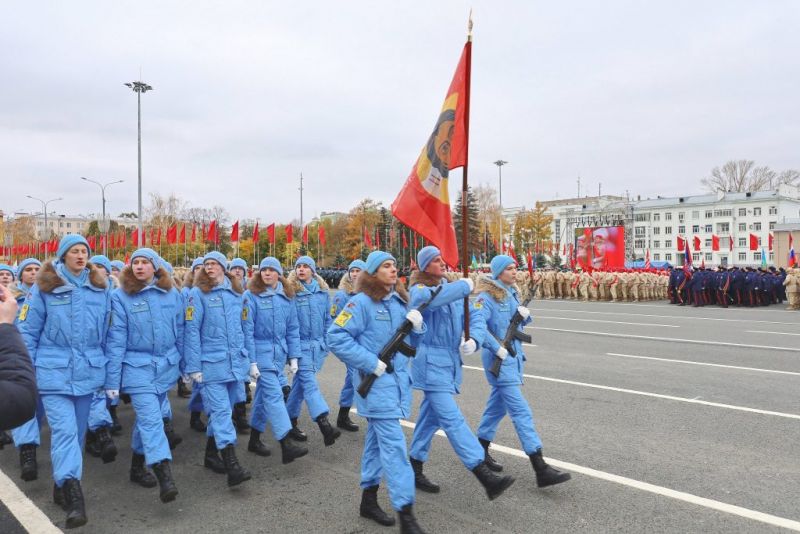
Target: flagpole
x=464, y=182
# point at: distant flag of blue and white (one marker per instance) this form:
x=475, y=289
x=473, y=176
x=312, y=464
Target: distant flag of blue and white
x=687, y=260
x=763, y=258
x=474, y=263
x=792, y=257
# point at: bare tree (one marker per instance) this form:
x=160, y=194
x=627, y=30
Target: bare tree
x=742, y=175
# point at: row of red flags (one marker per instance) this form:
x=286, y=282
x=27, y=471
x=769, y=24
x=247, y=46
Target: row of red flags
x=696, y=244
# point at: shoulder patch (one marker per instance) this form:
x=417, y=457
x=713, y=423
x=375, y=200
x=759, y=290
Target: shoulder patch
x=420, y=286
x=333, y=310
x=479, y=304
x=342, y=318
x=189, y=313
x=351, y=305
x=244, y=313
x=23, y=313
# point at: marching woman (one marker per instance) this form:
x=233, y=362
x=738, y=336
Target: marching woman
x=272, y=333
x=497, y=302
x=144, y=346
x=313, y=313
x=436, y=371
x=367, y=322
x=216, y=358
x=64, y=322
x=26, y=437
x=238, y=269
x=195, y=398
x=347, y=288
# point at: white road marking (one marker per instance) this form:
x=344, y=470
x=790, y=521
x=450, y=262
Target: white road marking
x=655, y=395
x=669, y=339
x=765, y=332
x=662, y=306
x=705, y=364
x=22, y=508
x=601, y=321
x=683, y=317
x=711, y=504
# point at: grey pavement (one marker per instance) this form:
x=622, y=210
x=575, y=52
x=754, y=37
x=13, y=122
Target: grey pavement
x=632, y=417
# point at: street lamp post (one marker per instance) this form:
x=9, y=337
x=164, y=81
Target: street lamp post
x=103, y=194
x=44, y=209
x=139, y=88
x=500, y=164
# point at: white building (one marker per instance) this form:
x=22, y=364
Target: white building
x=61, y=225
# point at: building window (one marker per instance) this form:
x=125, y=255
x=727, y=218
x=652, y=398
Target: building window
x=723, y=213
x=742, y=227
x=709, y=228
x=708, y=256
x=667, y=230
x=723, y=228
x=743, y=256
x=61, y=225
x=695, y=215
x=668, y=216
x=657, y=257
x=708, y=243
x=681, y=216
x=642, y=217
x=639, y=231
x=742, y=212
x=756, y=211
x=681, y=230
x=771, y=256
x=709, y=214
x=656, y=216
x=742, y=241
x=756, y=256
x=772, y=225
x=656, y=230
x=639, y=243
x=696, y=229
x=656, y=244
x=773, y=210
x=668, y=243
x=757, y=226
x=558, y=227
x=695, y=256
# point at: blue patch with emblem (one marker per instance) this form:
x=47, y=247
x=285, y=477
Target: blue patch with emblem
x=139, y=307
x=61, y=300
x=215, y=302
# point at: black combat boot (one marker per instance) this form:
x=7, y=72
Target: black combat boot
x=139, y=473
x=236, y=473
x=172, y=438
x=29, y=469
x=329, y=434
x=494, y=484
x=92, y=445
x=286, y=390
x=408, y=523
x=256, y=445
x=545, y=474
x=183, y=391
x=73, y=501
x=116, y=428
x=491, y=463
x=344, y=422
x=196, y=423
x=420, y=480
x=295, y=433
x=240, y=417
x=370, y=508
x=58, y=497
x=290, y=451
x=212, y=459
x=167, y=487
x=248, y=396
x=108, y=451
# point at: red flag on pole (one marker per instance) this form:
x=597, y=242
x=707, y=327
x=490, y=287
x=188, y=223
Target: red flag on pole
x=135, y=238
x=212, y=231
x=289, y=234
x=771, y=240
x=715, y=243
x=377, y=238
x=305, y=235
x=321, y=235
x=194, y=232
x=271, y=233
x=367, y=239
x=423, y=203
x=172, y=234
x=696, y=242
x=680, y=245
x=182, y=238
x=415, y=240
x=647, y=259
x=730, y=242
x=255, y=233
x=391, y=238
x=235, y=232
x=753, y=242
x=405, y=241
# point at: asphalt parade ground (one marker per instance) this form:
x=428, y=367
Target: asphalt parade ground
x=671, y=419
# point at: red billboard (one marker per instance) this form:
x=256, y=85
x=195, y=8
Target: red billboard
x=600, y=248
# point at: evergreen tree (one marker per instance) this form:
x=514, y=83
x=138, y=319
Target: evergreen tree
x=474, y=234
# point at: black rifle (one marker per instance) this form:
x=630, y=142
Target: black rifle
x=396, y=344
x=512, y=333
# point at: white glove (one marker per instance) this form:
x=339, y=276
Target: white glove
x=197, y=378
x=501, y=353
x=112, y=393
x=524, y=312
x=469, y=282
x=467, y=347
x=254, y=372
x=186, y=379
x=293, y=365
x=416, y=319
x=379, y=369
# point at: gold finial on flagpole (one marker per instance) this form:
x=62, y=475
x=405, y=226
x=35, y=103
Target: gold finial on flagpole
x=469, y=26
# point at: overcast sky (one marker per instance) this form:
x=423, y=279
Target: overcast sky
x=641, y=96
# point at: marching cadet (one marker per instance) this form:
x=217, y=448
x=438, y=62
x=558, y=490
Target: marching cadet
x=64, y=322
x=116, y=267
x=217, y=358
x=144, y=348
x=584, y=282
x=346, y=291
x=313, y=313
x=792, y=285
x=195, y=398
x=361, y=329
x=27, y=436
x=7, y=275
x=272, y=335
x=238, y=269
x=436, y=371
x=497, y=302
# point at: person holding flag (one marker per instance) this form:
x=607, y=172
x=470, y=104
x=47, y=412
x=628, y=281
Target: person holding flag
x=497, y=302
